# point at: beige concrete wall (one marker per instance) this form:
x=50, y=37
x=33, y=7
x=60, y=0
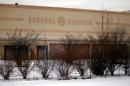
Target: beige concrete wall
x=55, y=22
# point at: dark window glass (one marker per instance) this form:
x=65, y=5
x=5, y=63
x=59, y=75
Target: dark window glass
x=15, y=52
x=42, y=52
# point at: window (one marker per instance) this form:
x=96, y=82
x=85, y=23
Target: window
x=42, y=52
x=15, y=52
x=9, y=52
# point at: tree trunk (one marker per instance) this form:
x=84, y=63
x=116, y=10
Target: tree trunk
x=24, y=77
x=112, y=73
x=6, y=78
x=126, y=72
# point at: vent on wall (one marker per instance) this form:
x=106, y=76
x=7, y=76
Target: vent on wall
x=16, y=3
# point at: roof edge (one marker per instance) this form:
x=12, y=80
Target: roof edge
x=60, y=8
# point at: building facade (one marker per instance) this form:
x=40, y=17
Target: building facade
x=54, y=23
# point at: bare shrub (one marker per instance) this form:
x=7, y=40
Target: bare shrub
x=6, y=69
x=45, y=67
x=63, y=69
x=82, y=67
x=111, y=41
x=25, y=68
x=98, y=67
x=126, y=68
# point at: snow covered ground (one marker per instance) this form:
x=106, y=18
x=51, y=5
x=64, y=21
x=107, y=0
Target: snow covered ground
x=16, y=80
x=100, y=81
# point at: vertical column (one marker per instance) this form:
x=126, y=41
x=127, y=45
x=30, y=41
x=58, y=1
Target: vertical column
x=90, y=51
x=1, y=52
